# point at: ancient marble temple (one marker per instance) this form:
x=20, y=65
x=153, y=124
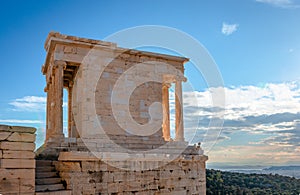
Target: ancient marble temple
x=118, y=121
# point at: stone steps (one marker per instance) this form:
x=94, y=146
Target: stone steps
x=41, y=163
x=138, y=146
x=50, y=180
x=47, y=179
x=47, y=187
x=39, y=175
x=45, y=169
x=60, y=192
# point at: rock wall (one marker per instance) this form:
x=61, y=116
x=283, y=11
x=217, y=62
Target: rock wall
x=94, y=176
x=17, y=163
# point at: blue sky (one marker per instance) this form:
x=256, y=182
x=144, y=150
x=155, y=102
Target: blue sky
x=255, y=43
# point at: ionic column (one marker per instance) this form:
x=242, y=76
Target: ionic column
x=70, y=117
x=48, y=111
x=57, y=101
x=178, y=112
x=166, y=111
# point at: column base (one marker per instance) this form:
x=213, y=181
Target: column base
x=51, y=148
x=167, y=139
x=179, y=140
x=55, y=140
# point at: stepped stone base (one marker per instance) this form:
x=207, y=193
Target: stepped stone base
x=120, y=144
x=132, y=166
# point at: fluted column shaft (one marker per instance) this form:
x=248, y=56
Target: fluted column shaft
x=166, y=111
x=179, y=134
x=56, y=101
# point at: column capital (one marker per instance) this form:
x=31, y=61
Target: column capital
x=59, y=63
x=181, y=78
x=168, y=78
x=168, y=85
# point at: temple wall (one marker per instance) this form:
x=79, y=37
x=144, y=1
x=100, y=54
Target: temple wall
x=17, y=163
x=94, y=176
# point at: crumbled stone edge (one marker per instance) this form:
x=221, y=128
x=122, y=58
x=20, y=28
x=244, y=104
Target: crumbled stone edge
x=20, y=129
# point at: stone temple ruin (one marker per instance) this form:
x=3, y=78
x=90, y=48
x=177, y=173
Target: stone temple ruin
x=119, y=139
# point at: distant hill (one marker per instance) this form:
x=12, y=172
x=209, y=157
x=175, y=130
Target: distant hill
x=223, y=183
x=282, y=168
x=292, y=171
x=288, y=170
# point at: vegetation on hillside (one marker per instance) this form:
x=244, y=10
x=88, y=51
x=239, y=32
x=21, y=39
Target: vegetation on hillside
x=227, y=183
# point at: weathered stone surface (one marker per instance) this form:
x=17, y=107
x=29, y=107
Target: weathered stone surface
x=77, y=156
x=17, y=163
x=91, y=166
x=17, y=129
x=16, y=173
x=4, y=135
x=177, y=177
x=18, y=154
x=5, y=128
x=17, y=186
x=19, y=146
x=21, y=137
x=69, y=166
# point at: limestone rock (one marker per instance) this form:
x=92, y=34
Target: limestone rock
x=16, y=173
x=17, y=129
x=21, y=137
x=18, y=146
x=17, y=163
x=4, y=135
x=18, y=154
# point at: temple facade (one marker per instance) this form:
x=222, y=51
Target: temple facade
x=119, y=139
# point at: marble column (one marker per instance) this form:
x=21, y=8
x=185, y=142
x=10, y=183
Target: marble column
x=179, y=133
x=70, y=117
x=57, y=99
x=166, y=111
x=48, y=110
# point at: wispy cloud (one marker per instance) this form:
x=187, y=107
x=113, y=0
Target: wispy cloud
x=17, y=121
x=280, y=3
x=29, y=104
x=255, y=155
x=228, y=29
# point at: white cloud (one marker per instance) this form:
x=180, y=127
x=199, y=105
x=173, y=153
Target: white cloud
x=280, y=3
x=228, y=29
x=29, y=104
x=17, y=121
x=244, y=101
